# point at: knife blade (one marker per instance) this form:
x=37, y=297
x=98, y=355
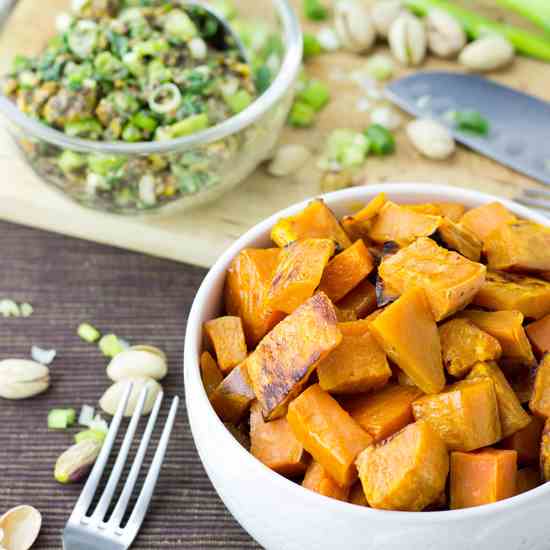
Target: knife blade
x=519, y=135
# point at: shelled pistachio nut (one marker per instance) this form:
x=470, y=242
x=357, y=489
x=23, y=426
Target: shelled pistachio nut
x=21, y=378
x=112, y=397
x=446, y=37
x=138, y=361
x=487, y=53
x=384, y=13
x=354, y=25
x=288, y=159
x=408, y=40
x=76, y=462
x=431, y=138
x=20, y=527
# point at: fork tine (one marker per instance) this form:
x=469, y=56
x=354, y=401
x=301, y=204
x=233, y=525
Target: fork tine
x=142, y=504
x=124, y=499
x=90, y=488
x=107, y=496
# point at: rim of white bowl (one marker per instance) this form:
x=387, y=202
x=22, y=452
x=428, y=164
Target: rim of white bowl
x=194, y=328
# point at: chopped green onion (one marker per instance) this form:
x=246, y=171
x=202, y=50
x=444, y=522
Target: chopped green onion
x=314, y=10
x=61, y=419
x=88, y=333
x=135, y=63
x=238, y=101
x=109, y=67
x=105, y=165
x=301, y=115
x=312, y=46
x=69, y=161
x=158, y=72
x=88, y=128
x=26, y=309
x=95, y=435
x=151, y=47
x=189, y=125
x=179, y=26
x=82, y=38
x=380, y=67
x=471, y=121
x=262, y=79
x=165, y=98
x=347, y=148
x=110, y=345
x=21, y=63
x=381, y=139
x=131, y=133
x=315, y=94
x=144, y=121
x=537, y=11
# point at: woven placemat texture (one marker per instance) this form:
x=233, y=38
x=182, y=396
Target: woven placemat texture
x=140, y=298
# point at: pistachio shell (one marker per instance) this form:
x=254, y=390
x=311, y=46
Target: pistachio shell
x=384, y=13
x=354, y=25
x=137, y=362
x=446, y=37
x=408, y=40
x=20, y=526
x=112, y=397
x=487, y=53
x=288, y=159
x=20, y=378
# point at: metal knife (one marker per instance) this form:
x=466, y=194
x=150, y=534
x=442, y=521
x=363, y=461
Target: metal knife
x=519, y=134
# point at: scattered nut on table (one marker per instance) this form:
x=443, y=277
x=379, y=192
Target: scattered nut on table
x=431, y=138
x=112, y=397
x=76, y=462
x=288, y=159
x=20, y=527
x=354, y=25
x=384, y=13
x=446, y=37
x=21, y=378
x=138, y=361
x=487, y=53
x=408, y=40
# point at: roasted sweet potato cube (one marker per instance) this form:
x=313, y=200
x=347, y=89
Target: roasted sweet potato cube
x=407, y=332
x=510, y=291
x=545, y=452
x=317, y=479
x=226, y=336
x=298, y=273
x=518, y=246
x=328, y=433
x=402, y=225
x=357, y=365
x=463, y=345
x=465, y=415
x=457, y=237
x=507, y=328
x=405, y=472
x=358, y=303
x=357, y=495
x=526, y=479
x=346, y=270
x=384, y=412
x=239, y=433
x=403, y=379
x=449, y=280
x=424, y=208
x=484, y=219
x=482, y=477
x=283, y=361
x=539, y=335
x=540, y=399
x=511, y=413
x=211, y=375
x=233, y=397
x=359, y=225
x=247, y=283
x=274, y=444
x=522, y=385
x=451, y=210
x=315, y=220
x=526, y=442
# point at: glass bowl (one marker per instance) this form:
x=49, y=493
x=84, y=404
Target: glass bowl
x=159, y=176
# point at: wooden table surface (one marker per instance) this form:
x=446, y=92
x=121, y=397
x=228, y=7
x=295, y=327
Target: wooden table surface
x=140, y=298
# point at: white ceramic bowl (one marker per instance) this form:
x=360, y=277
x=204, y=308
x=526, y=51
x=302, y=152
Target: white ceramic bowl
x=280, y=514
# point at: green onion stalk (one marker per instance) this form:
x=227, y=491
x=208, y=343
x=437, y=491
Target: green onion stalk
x=538, y=11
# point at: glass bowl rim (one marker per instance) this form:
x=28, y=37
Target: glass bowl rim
x=288, y=71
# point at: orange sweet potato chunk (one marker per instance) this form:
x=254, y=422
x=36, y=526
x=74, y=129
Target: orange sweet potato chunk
x=246, y=286
x=233, y=397
x=317, y=479
x=357, y=495
x=545, y=452
x=518, y=246
x=402, y=225
x=449, y=280
x=510, y=291
x=511, y=413
x=507, y=328
x=451, y=210
x=486, y=218
x=274, y=444
x=540, y=399
x=357, y=365
x=384, y=412
x=359, y=225
x=346, y=270
x=358, y=303
x=315, y=220
x=526, y=479
x=407, y=332
x=405, y=472
x=298, y=273
x=211, y=375
x=539, y=335
x=283, y=361
x=328, y=433
x=526, y=442
x=226, y=336
x=463, y=345
x=459, y=238
x=465, y=415
x=482, y=477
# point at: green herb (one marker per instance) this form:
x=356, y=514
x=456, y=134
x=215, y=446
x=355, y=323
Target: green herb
x=88, y=333
x=471, y=121
x=95, y=435
x=381, y=140
x=301, y=115
x=312, y=46
x=315, y=10
x=61, y=419
x=110, y=345
x=315, y=94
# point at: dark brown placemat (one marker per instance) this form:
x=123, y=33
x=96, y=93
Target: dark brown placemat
x=142, y=299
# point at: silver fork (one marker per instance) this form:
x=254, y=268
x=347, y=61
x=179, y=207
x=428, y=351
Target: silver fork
x=536, y=199
x=91, y=532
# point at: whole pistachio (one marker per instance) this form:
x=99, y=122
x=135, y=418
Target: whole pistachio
x=77, y=461
x=446, y=37
x=384, y=13
x=354, y=25
x=113, y=396
x=21, y=378
x=487, y=53
x=431, y=138
x=408, y=40
x=288, y=159
x=138, y=361
x=20, y=527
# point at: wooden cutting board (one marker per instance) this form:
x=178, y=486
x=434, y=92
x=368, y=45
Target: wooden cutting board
x=200, y=236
